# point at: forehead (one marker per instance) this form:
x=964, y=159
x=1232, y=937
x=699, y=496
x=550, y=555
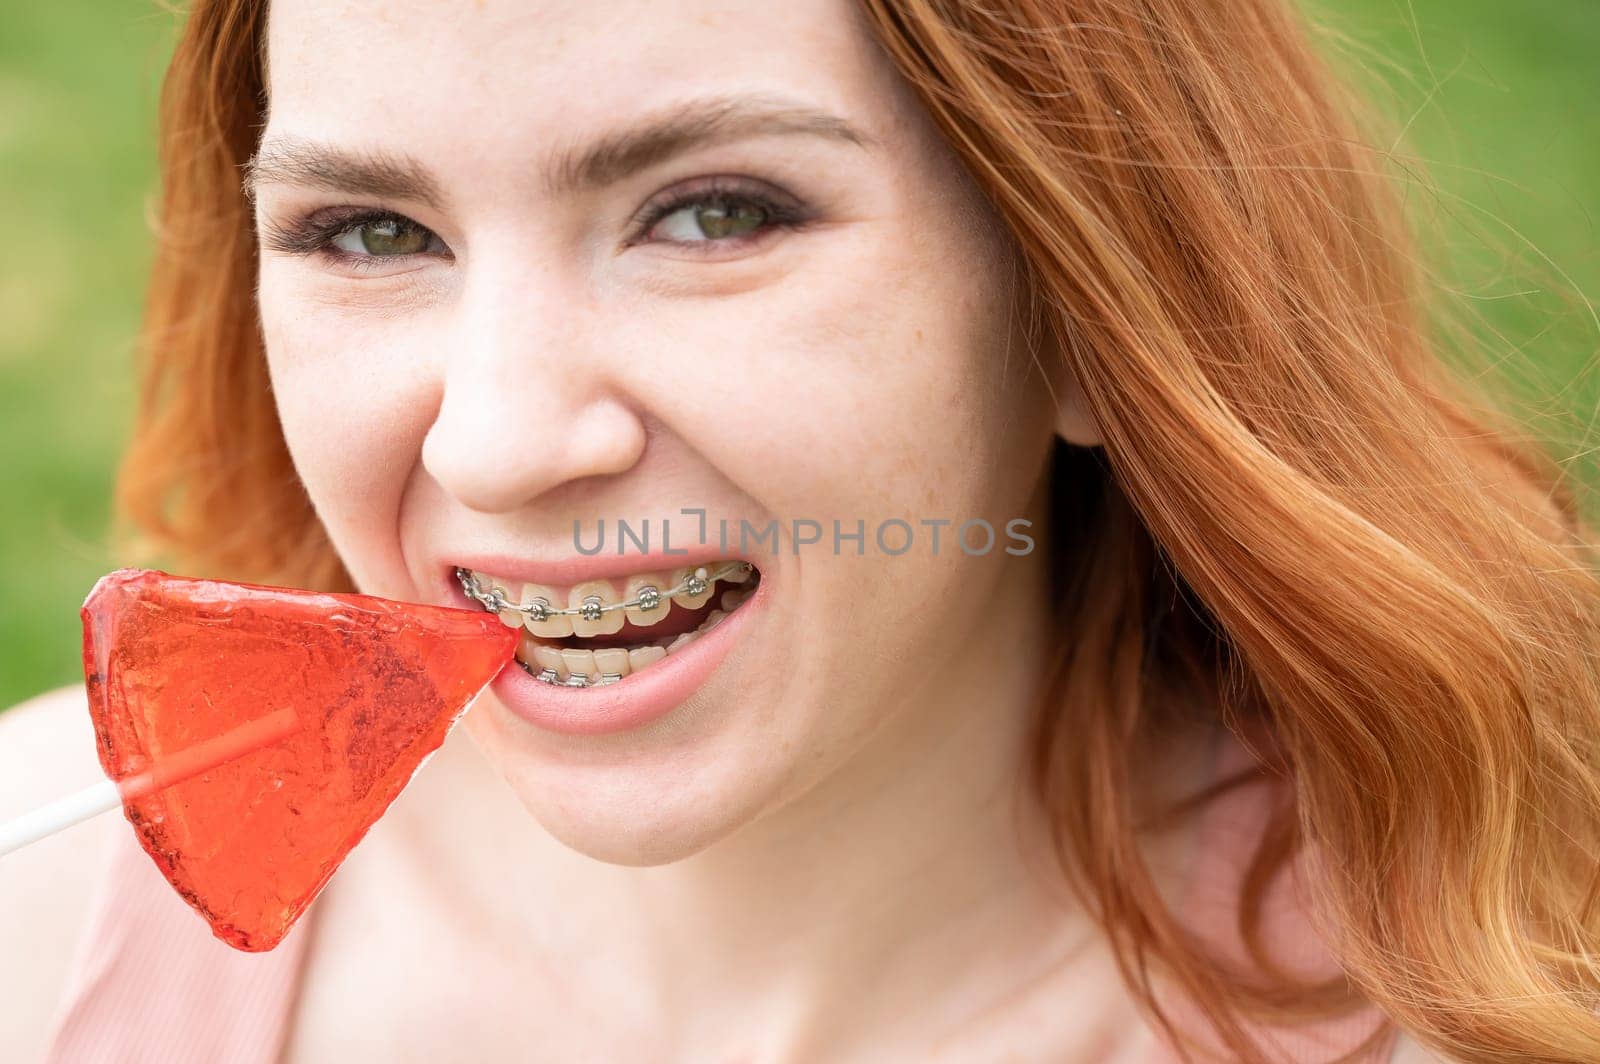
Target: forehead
x=515, y=71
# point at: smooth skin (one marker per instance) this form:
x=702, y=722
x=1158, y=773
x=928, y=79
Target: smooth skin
x=818, y=856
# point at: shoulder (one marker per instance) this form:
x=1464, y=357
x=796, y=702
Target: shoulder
x=47, y=750
x=1408, y=1051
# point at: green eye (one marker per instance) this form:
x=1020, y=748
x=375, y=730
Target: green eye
x=717, y=220
x=712, y=219
x=384, y=237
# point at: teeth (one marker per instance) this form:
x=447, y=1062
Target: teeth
x=607, y=623
x=686, y=600
x=641, y=617
x=578, y=662
x=613, y=660
x=550, y=658
x=538, y=657
x=509, y=618
x=551, y=627
x=639, y=657
x=556, y=627
x=582, y=667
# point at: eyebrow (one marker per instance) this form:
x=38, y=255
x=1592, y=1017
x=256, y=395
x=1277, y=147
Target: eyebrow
x=612, y=158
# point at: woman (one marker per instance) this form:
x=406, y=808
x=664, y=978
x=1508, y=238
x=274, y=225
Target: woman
x=1272, y=623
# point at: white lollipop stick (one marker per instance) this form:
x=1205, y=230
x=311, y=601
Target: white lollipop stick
x=59, y=814
x=108, y=794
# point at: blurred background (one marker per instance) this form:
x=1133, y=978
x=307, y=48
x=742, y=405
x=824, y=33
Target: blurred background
x=1500, y=101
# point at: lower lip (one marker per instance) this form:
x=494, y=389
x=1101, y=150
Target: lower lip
x=636, y=699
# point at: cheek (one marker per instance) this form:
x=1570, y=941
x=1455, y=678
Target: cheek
x=880, y=386
x=872, y=390
x=354, y=404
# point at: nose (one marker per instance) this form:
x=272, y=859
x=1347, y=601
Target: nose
x=527, y=403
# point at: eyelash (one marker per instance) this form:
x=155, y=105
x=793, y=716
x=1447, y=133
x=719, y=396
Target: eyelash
x=311, y=235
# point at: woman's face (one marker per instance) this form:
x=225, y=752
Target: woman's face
x=790, y=306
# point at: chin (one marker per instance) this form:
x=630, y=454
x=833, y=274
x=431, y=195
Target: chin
x=632, y=801
x=625, y=820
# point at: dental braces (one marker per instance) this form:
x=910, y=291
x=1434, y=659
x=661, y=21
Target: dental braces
x=551, y=676
x=592, y=608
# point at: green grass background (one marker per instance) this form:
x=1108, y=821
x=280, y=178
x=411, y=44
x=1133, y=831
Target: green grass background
x=1502, y=98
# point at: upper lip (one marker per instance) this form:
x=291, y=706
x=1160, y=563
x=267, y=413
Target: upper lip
x=574, y=569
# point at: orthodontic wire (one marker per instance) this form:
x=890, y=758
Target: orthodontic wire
x=495, y=601
x=591, y=609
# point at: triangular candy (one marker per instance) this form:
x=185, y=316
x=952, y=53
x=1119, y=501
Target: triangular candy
x=176, y=665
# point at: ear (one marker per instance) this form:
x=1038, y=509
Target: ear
x=1074, y=423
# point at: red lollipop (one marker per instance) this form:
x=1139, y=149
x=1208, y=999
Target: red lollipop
x=256, y=733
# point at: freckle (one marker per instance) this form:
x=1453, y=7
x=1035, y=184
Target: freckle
x=919, y=334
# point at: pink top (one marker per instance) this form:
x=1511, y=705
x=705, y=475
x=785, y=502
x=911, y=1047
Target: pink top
x=150, y=985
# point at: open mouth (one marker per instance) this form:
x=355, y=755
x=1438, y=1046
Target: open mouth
x=597, y=632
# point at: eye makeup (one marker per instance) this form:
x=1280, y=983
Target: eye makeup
x=728, y=205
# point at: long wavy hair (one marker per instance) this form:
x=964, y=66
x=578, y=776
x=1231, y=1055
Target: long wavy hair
x=1300, y=518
